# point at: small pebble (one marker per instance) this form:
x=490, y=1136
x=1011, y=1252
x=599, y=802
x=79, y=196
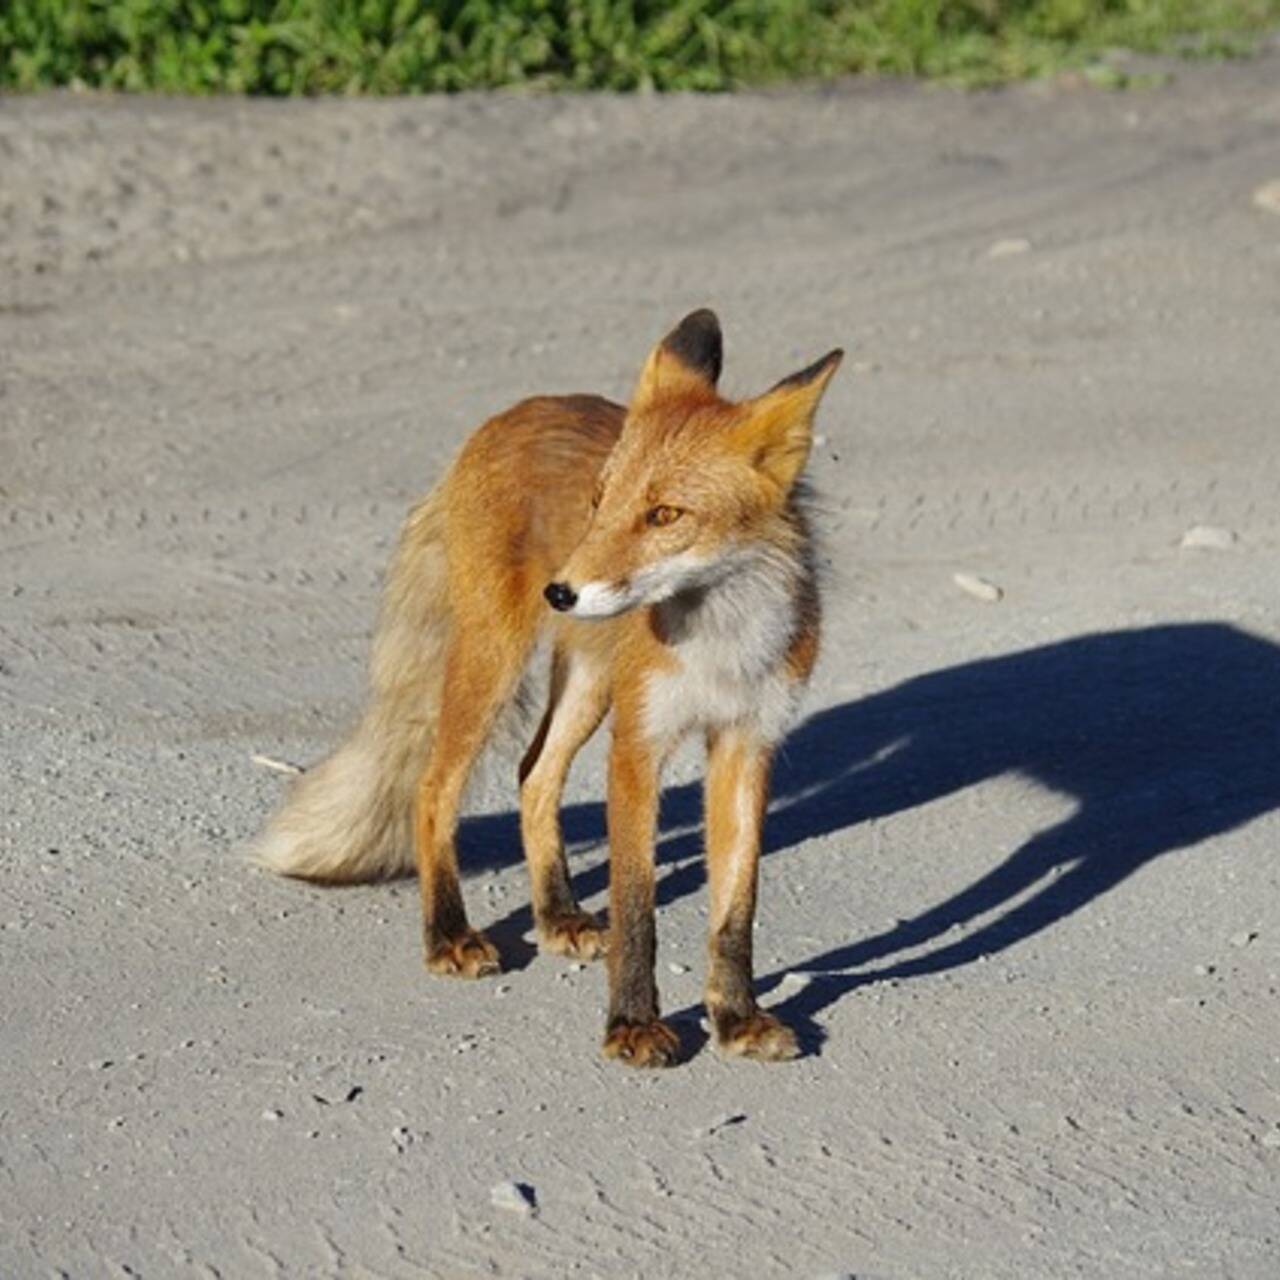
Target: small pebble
x=516, y=1197
x=1008, y=248
x=796, y=980
x=1208, y=537
x=577, y=967
x=401, y=1139
x=1243, y=938
x=1271, y=1138
x=276, y=766
x=1204, y=970
x=273, y=1113
x=978, y=588
x=1267, y=196
x=678, y=968
x=501, y=989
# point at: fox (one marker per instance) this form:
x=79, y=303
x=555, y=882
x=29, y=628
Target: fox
x=664, y=550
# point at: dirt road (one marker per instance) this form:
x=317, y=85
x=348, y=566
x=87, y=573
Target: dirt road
x=1023, y=890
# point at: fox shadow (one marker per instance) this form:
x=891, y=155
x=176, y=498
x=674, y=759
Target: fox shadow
x=1161, y=736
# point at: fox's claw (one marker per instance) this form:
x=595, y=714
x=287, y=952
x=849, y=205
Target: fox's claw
x=471, y=956
x=576, y=934
x=643, y=1044
x=756, y=1035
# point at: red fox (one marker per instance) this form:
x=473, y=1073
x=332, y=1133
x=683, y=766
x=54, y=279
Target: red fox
x=665, y=549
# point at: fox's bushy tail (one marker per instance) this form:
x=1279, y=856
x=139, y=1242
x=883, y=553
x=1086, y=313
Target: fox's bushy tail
x=351, y=817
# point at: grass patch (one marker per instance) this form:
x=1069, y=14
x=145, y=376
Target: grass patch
x=408, y=46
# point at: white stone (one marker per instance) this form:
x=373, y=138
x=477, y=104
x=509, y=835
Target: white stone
x=515, y=1197
x=1208, y=537
x=978, y=588
x=1267, y=196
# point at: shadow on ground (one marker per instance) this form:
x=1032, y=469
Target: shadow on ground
x=1162, y=736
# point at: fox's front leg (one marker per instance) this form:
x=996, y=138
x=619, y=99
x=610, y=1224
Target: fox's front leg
x=737, y=793
x=634, y=1031
x=579, y=700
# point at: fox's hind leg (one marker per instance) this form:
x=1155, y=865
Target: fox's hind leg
x=737, y=792
x=578, y=700
x=481, y=675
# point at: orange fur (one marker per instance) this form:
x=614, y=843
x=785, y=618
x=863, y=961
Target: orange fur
x=676, y=548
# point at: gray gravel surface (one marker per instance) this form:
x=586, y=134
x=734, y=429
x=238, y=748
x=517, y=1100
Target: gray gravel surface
x=1022, y=894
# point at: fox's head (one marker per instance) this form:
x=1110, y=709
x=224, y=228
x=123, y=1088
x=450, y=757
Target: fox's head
x=694, y=482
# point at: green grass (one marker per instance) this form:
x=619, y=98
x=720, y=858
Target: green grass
x=397, y=46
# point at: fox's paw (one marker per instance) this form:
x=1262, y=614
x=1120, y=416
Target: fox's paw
x=642, y=1044
x=573, y=933
x=755, y=1035
x=471, y=956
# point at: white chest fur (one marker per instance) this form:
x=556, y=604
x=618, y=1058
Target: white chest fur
x=730, y=641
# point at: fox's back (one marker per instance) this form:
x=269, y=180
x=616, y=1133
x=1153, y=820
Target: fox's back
x=519, y=494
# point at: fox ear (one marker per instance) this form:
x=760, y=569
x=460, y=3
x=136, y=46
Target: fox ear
x=687, y=360
x=778, y=429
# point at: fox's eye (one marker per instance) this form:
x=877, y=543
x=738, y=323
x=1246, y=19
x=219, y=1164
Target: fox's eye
x=656, y=517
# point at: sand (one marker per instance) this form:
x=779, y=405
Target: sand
x=1022, y=895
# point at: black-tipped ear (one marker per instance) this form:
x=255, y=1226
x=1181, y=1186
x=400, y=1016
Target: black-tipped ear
x=778, y=428
x=686, y=362
x=696, y=342
x=828, y=364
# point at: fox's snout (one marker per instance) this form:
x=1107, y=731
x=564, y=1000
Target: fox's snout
x=560, y=596
x=592, y=599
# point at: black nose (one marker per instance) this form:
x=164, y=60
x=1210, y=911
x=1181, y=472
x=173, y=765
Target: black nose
x=560, y=595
